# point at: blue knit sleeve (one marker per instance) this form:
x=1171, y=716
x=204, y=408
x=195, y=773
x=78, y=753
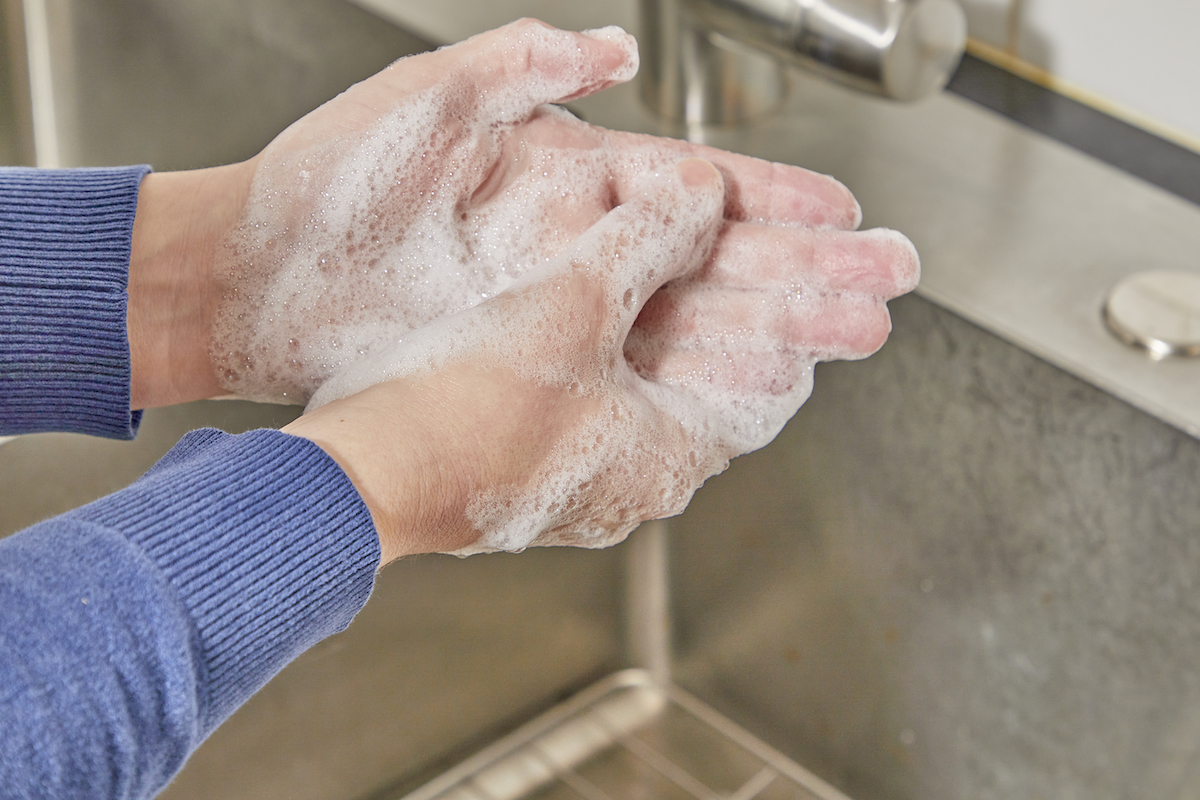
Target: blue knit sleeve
x=131, y=627
x=65, y=238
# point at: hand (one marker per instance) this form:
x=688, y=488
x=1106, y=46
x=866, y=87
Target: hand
x=749, y=325
x=394, y=152
x=518, y=421
x=522, y=422
x=417, y=193
x=437, y=184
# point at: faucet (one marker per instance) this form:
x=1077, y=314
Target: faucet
x=721, y=61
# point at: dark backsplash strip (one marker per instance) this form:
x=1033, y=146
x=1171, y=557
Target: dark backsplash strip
x=1161, y=162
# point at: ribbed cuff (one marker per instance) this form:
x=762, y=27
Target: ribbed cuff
x=65, y=241
x=267, y=542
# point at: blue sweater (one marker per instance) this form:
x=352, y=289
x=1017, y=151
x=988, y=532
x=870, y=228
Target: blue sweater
x=132, y=627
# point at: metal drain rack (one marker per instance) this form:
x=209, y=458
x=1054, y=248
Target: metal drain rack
x=629, y=738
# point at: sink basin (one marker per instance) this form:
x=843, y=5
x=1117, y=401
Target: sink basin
x=966, y=569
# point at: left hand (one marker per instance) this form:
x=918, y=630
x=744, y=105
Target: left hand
x=523, y=420
x=506, y=191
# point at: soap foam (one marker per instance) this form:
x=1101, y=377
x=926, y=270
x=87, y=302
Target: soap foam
x=633, y=456
x=355, y=242
x=377, y=277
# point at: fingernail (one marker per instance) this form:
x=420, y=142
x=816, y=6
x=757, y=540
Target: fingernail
x=696, y=172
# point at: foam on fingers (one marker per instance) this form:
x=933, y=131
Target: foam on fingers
x=878, y=262
x=763, y=191
x=528, y=63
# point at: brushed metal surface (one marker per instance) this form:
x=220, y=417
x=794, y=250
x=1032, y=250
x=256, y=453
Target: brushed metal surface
x=960, y=572
x=903, y=49
x=16, y=126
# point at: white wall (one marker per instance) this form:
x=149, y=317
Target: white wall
x=1138, y=54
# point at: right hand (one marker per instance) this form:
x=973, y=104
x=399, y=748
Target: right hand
x=523, y=422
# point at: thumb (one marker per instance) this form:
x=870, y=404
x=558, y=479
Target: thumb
x=527, y=63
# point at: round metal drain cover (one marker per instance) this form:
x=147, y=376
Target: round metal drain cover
x=1159, y=311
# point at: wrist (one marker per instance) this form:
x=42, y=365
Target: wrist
x=182, y=220
x=388, y=479
x=411, y=455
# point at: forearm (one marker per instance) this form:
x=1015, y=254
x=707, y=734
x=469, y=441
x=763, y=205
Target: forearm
x=130, y=628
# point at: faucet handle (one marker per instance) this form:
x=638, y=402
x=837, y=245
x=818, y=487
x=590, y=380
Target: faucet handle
x=903, y=49
x=705, y=60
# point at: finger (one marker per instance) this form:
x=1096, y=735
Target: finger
x=509, y=71
x=756, y=190
x=503, y=74
x=823, y=326
x=730, y=371
x=782, y=194
x=878, y=262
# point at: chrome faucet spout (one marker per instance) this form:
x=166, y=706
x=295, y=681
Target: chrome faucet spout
x=721, y=60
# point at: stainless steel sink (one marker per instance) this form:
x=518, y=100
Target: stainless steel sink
x=966, y=569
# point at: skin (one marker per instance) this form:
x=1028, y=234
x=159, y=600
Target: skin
x=181, y=219
x=420, y=446
x=533, y=400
